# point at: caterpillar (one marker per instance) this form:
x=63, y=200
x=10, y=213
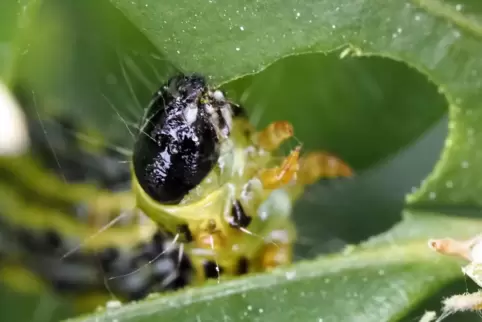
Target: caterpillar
x=204, y=196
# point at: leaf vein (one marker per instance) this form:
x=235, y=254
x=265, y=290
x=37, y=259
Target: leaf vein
x=450, y=14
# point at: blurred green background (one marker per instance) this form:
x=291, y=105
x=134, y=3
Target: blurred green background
x=384, y=118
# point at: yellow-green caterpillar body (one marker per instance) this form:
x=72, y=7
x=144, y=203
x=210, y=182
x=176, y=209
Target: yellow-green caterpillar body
x=204, y=196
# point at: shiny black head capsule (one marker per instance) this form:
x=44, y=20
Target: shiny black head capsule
x=178, y=144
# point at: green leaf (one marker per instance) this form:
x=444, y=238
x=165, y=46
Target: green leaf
x=377, y=281
x=102, y=76
x=343, y=100
x=227, y=40
x=22, y=307
x=16, y=18
x=456, y=181
x=336, y=104
x=233, y=38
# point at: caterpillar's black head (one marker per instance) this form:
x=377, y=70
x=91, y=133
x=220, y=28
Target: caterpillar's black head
x=178, y=144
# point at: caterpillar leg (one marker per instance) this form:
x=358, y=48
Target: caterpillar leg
x=306, y=170
x=320, y=165
x=274, y=255
x=277, y=177
x=274, y=134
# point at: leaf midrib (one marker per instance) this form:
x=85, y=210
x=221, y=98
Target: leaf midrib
x=414, y=252
x=448, y=12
